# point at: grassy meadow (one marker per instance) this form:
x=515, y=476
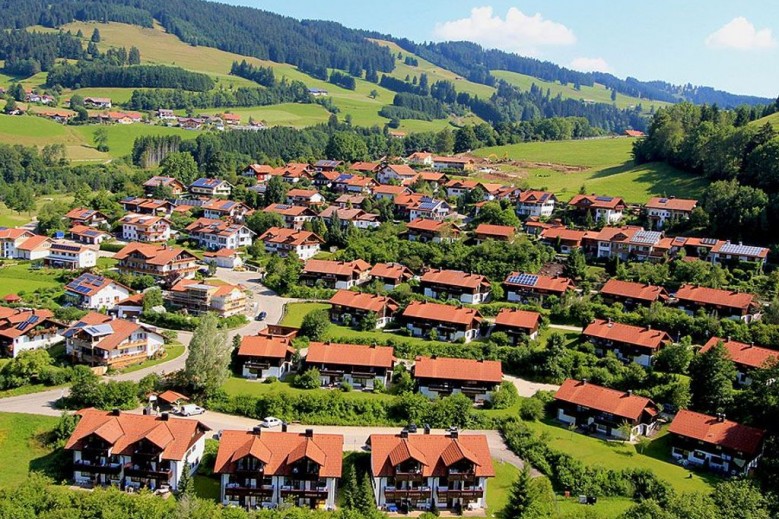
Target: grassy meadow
x=23, y=447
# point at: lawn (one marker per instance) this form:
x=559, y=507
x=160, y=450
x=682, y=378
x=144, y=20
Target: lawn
x=15, y=278
x=605, y=508
x=171, y=352
x=499, y=487
x=122, y=136
x=587, y=153
x=21, y=446
x=207, y=488
x=618, y=456
x=295, y=312
x=240, y=386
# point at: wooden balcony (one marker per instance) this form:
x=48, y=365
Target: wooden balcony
x=96, y=467
x=240, y=491
x=408, y=476
x=461, y=476
x=394, y=494
x=316, y=493
x=469, y=493
x=139, y=471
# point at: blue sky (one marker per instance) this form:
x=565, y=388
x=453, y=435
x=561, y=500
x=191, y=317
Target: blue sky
x=728, y=44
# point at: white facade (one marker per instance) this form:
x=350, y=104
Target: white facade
x=78, y=259
x=610, y=216
x=106, y=297
x=433, y=486
x=537, y=209
x=466, y=298
x=468, y=335
x=240, y=238
x=133, y=231
x=304, y=252
x=277, y=485
x=24, y=343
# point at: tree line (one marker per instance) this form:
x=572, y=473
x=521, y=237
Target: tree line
x=84, y=75
x=259, y=74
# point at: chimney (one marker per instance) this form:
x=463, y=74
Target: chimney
x=721, y=417
x=454, y=434
x=404, y=433
x=427, y=428
x=309, y=433
x=630, y=392
x=751, y=344
x=434, y=356
x=165, y=417
x=257, y=431
x=584, y=381
x=284, y=426
x=649, y=327
x=115, y=412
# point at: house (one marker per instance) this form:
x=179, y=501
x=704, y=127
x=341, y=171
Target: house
x=436, y=231
x=522, y=288
x=396, y=173
x=95, y=292
x=731, y=253
x=453, y=163
x=134, y=451
x=518, y=325
x=295, y=216
x=219, y=208
x=261, y=468
x=11, y=239
x=348, y=308
x=454, y=284
x=724, y=303
x=199, y=297
x=389, y=191
x=629, y=343
x=165, y=114
x=129, y=308
x=746, y=357
x=444, y=322
x=660, y=211
x=169, y=400
x=335, y=274
x=231, y=119
x=191, y=123
x=356, y=217
x=145, y=228
x=152, y=206
x=632, y=294
x=413, y=472
x=88, y=235
x=366, y=168
x=539, y=204
x=100, y=340
x=348, y=201
x=23, y=329
x=390, y=274
x=608, y=209
x=36, y=247
x=628, y=242
x=280, y=241
x=71, y=256
x=605, y=411
x=305, y=197
x=86, y=217
x=456, y=188
x=98, y=103
x=429, y=208
x=211, y=187
x=260, y=172
x=443, y=376
x=484, y=232
x=562, y=239
x=348, y=183
x=533, y=226
x=327, y=165
x=159, y=261
x=219, y=234
x=421, y=158
x=262, y=356
x=715, y=443
x=293, y=172
x=362, y=367
x=158, y=181
x=324, y=178
x=634, y=133
x=224, y=258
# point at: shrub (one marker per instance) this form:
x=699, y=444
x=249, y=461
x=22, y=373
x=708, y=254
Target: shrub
x=315, y=325
x=346, y=387
x=505, y=396
x=531, y=409
x=309, y=379
x=270, y=380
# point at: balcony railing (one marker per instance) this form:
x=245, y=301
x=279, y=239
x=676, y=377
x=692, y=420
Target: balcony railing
x=234, y=489
x=392, y=494
x=146, y=472
x=467, y=493
x=97, y=467
x=313, y=493
x=408, y=476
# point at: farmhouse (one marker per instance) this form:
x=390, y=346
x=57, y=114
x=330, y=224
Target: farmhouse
x=600, y=410
x=281, y=241
x=98, y=103
x=155, y=182
x=349, y=307
x=160, y=261
x=632, y=294
x=134, y=451
x=420, y=158
x=517, y=324
x=746, y=357
x=521, y=287
x=353, y=364
x=262, y=356
x=725, y=303
x=452, y=163
x=99, y=340
x=260, y=172
x=94, y=292
x=335, y=274
x=223, y=299
x=444, y=376
x=455, y=284
x=265, y=469
x=629, y=343
x=448, y=323
x=390, y=274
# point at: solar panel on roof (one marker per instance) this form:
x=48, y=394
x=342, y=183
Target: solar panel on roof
x=663, y=200
x=741, y=250
x=646, y=237
x=709, y=241
x=524, y=279
x=604, y=198
x=680, y=239
x=33, y=319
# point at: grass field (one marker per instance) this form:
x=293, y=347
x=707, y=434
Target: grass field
x=605, y=508
x=773, y=119
x=172, y=351
x=29, y=130
x=295, y=312
x=499, y=487
x=19, y=278
x=596, y=94
x=602, y=166
x=21, y=445
x=241, y=386
x=122, y=136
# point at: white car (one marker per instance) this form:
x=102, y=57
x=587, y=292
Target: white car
x=191, y=410
x=270, y=421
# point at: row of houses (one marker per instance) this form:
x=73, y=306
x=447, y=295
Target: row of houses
x=23, y=244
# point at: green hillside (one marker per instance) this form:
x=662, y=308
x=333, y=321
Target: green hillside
x=773, y=119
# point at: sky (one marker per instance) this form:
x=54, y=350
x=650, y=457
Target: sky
x=731, y=45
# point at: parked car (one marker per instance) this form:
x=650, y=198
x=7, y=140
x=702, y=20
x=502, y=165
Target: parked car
x=261, y=316
x=270, y=421
x=191, y=410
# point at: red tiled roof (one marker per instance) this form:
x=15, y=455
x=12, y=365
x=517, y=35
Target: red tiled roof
x=305, y=193
x=626, y=334
x=434, y=452
x=289, y=210
x=518, y=319
x=365, y=166
x=448, y=368
x=504, y=231
x=391, y=271
x=618, y=403
x=673, y=204
x=14, y=233
x=387, y=189
x=563, y=234
x=265, y=346
x=442, y=313
x=456, y=278
x=280, y=450
x=628, y=289
x=350, y=355
x=364, y=301
x=601, y=202
x=33, y=242
x=289, y=236
x=153, y=254
x=725, y=433
x=12, y=321
x=171, y=397
x=422, y=224
x=634, y=133
x=337, y=268
x=714, y=296
x=744, y=354
x=550, y=284
x=535, y=197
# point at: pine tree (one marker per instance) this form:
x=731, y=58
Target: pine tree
x=349, y=489
x=364, y=501
x=521, y=498
x=95, y=36
x=711, y=379
x=186, y=485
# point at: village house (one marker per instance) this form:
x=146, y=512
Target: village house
x=539, y=204
x=129, y=308
x=453, y=164
x=604, y=411
x=413, y=472
x=166, y=114
x=98, y=103
x=282, y=241
x=322, y=179
x=632, y=294
x=265, y=469
x=158, y=181
x=216, y=208
x=211, y=187
x=350, y=308
x=199, y=297
x=444, y=322
x=12, y=238
x=263, y=356
x=152, y=206
x=293, y=172
x=533, y=226
x=746, y=357
x=145, y=228
x=231, y=119
x=715, y=443
x=348, y=201
x=219, y=234
x=86, y=217
x=435, y=231
x=524, y=288
x=562, y=239
x=24, y=329
x=224, y=258
x=349, y=183
x=72, y=256
x=456, y=188
x=629, y=343
x=454, y=284
x=627, y=243
x=335, y=274
x=305, y=197
x=36, y=247
x=660, y=211
x=134, y=451
x=100, y=340
x=728, y=253
x=362, y=367
x=518, y=325
x=327, y=165
x=390, y=274
x=355, y=217
x=437, y=377
x=260, y=172
x=295, y=216
x=389, y=192
x=162, y=262
x=727, y=304
x=420, y=158
x=484, y=232
x=396, y=173
x=429, y=208
x=366, y=168
x=607, y=209
x=95, y=292
x=88, y=235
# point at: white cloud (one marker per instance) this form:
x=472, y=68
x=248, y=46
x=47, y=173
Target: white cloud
x=590, y=65
x=518, y=32
x=740, y=34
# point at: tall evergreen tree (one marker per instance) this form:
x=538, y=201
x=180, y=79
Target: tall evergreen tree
x=711, y=380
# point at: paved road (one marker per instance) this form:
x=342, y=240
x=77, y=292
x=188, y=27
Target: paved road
x=526, y=388
x=567, y=328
